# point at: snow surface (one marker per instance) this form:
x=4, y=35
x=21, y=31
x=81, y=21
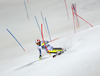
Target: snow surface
x=83, y=55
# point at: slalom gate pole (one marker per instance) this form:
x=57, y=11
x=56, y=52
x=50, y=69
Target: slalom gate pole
x=73, y=19
x=38, y=24
x=26, y=10
x=15, y=39
x=54, y=39
x=83, y=19
x=43, y=39
x=43, y=21
x=48, y=29
x=76, y=16
x=66, y=8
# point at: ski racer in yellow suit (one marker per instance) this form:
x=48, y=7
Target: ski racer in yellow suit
x=41, y=45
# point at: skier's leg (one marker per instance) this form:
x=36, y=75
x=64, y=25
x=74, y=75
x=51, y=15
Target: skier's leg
x=55, y=50
x=58, y=49
x=52, y=51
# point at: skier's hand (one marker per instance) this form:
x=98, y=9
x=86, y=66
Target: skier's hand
x=47, y=41
x=40, y=57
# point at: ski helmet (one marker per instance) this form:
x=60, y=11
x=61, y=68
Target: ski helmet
x=37, y=41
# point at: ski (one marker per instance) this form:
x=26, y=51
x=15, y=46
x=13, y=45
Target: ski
x=59, y=53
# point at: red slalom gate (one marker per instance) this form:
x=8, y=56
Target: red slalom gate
x=83, y=19
x=43, y=39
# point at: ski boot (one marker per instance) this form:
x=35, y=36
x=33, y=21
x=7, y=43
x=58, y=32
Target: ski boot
x=40, y=57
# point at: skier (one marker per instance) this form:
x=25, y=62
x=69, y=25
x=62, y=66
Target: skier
x=41, y=45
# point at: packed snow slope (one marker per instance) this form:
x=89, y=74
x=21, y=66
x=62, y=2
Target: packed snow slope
x=82, y=57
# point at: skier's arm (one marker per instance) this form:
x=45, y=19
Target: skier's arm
x=46, y=42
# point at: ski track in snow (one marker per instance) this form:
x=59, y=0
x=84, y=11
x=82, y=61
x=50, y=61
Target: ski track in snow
x=29, y=64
